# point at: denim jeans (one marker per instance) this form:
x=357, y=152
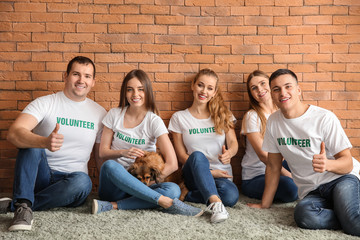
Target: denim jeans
x=118, y=185
x=44, y=188
x=334, y=205
x=287, y=190
x=202, y=184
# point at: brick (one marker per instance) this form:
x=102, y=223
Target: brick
x=348, y=38
x=170, y=39
x=346, y=20
x=302, y=68
x=155, y=29
x=330, y=86
x=60, y=27
x=318, y=20
x=186, y=11
x=169, y=2
x=110, y=57
x=6, y=26
x=287, y=39
x=186, y=49
x=217, y=67
x=107, y=18
x=6, y=7
x=139, y=19
x=47, y=37
x=317, y=57
x=274, y=11
x=7, y=47
x=331, y=67
x=229, y=59
x=216, y=49
x=274, y=49
x=347, y=58
x=15, y=95
x=304, y=10
x=243, y=49
x=93, y=8
x=334, y=48
x=202, y=21
x=352, y=67
x=12, y=37
x=14, y=76
x=157, y=10
x=185, y=67
x=199, y=58
x=64, y=47
x=346, y=76
x=192, y=40
x=31, y=85
x=216, y=11
x=242, y=68
x=288, y=58
x=62, y=7
x=214, y=30
x=258, y=59
x=334, y=10
x=169, y=20
x=317, y=38
x=29, y=66
x=318, y=2
x=243, y=30
x=46, y=17
x=9, y=105
x=202, y=3
x=179, y=87
x=186, y=30
x=46, y=76
x=122, y=28
x=251, y=40
x=14, y=56
x=78, y=18
x=333, y=104
x=15, y=17
x=91, y=28
x=139, y=38
x=29, y=7
x=229, y=40
x=354, y=10
x=169, y=97
x=7, y=85
x=6, y=66
x=284, y=21
x=156, y=48
x=228, y=21
x=124, y=9
x=258, y=20
x=316, y=95
x=269, y=68
x=157, y=67
x=307, y=86
x=270, y=30
x=354, y=105
x=288, y=3
x=169, y=77
x=303, y=30
x=246, y=10
x=354, y=48
x=31, y=46
x=160, y=87
x=257, y=3
x=167, y=58
x=351, y=86
x=347, y=114
x=139, y=57
x=29, y=27
x=331, y=29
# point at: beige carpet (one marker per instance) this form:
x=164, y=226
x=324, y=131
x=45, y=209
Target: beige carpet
x=244, y=223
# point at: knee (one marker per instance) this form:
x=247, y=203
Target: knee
x=197, y=158
x=171, y=190
x=31, y=154
x=303, y=217
x=79, y=182
x=108, y=167
x=229, y=194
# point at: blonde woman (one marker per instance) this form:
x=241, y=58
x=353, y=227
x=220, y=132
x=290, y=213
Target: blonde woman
x=205, y=141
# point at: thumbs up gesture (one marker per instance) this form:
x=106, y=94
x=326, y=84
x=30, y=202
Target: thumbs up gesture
x=319, y=160
x=225, y=157
x=55, y=140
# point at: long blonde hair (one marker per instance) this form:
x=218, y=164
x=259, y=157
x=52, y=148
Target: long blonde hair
x=253, y=104
x=219, y=112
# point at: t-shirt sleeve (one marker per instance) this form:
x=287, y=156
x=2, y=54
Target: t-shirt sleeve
x=174, y=125
x=38, y=108
x=158, y=127
x=269, y=143
x=108, y=120
x=334, y=135
x=251, y=123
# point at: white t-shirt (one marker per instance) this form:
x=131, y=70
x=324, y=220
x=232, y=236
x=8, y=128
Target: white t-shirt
x=299, y=139
x=80, y=123
x=251, y=165
x=143, y=136
x=199, y=135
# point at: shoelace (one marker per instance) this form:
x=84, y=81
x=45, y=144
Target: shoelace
x=210, y=207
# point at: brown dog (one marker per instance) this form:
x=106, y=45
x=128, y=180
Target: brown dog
x=149, y=167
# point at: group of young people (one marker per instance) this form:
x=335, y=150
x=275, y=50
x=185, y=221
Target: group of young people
x=291, y=148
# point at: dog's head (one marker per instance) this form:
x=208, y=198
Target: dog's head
x=148, y=167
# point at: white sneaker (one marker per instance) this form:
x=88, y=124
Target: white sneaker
x=219, y=213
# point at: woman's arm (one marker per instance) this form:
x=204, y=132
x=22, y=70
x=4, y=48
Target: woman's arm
x=105, y=151
x=168, y=152
x=232, y=149
x=180, y=148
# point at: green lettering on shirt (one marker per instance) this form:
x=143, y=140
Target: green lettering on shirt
x=75, y=123
x=293, y=142
x=130, y=140
x=201, y=130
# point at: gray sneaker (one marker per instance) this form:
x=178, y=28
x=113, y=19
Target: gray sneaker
x=5, y=205
x=182, y=208
x=23, y=218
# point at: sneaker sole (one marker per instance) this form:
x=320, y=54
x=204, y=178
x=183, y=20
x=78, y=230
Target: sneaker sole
x=21, y=227
x=219, y=220
x=4, y=211
x=95, y=207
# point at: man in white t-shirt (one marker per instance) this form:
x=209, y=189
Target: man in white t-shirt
x=55, y=135
x=317, y=150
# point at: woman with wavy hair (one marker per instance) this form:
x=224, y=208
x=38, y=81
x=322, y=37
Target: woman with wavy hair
x=253, y=128
x=205, y=141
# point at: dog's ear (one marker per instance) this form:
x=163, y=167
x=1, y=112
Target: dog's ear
x=132, y=170
x=155, y=174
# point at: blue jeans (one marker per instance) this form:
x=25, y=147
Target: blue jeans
x=202, y=184
x=118, y=185
x=287, y=190
x=44, y=188
x=334, y=205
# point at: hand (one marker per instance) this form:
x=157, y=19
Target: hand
x=319, y=160
x=133, y=153
x=55, y=141
x=225, y=157
x=220, y=174
x=254, y=205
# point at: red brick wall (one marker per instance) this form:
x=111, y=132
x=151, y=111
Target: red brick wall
x=173, y=39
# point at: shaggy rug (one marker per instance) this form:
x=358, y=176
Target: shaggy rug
x=244, y=223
